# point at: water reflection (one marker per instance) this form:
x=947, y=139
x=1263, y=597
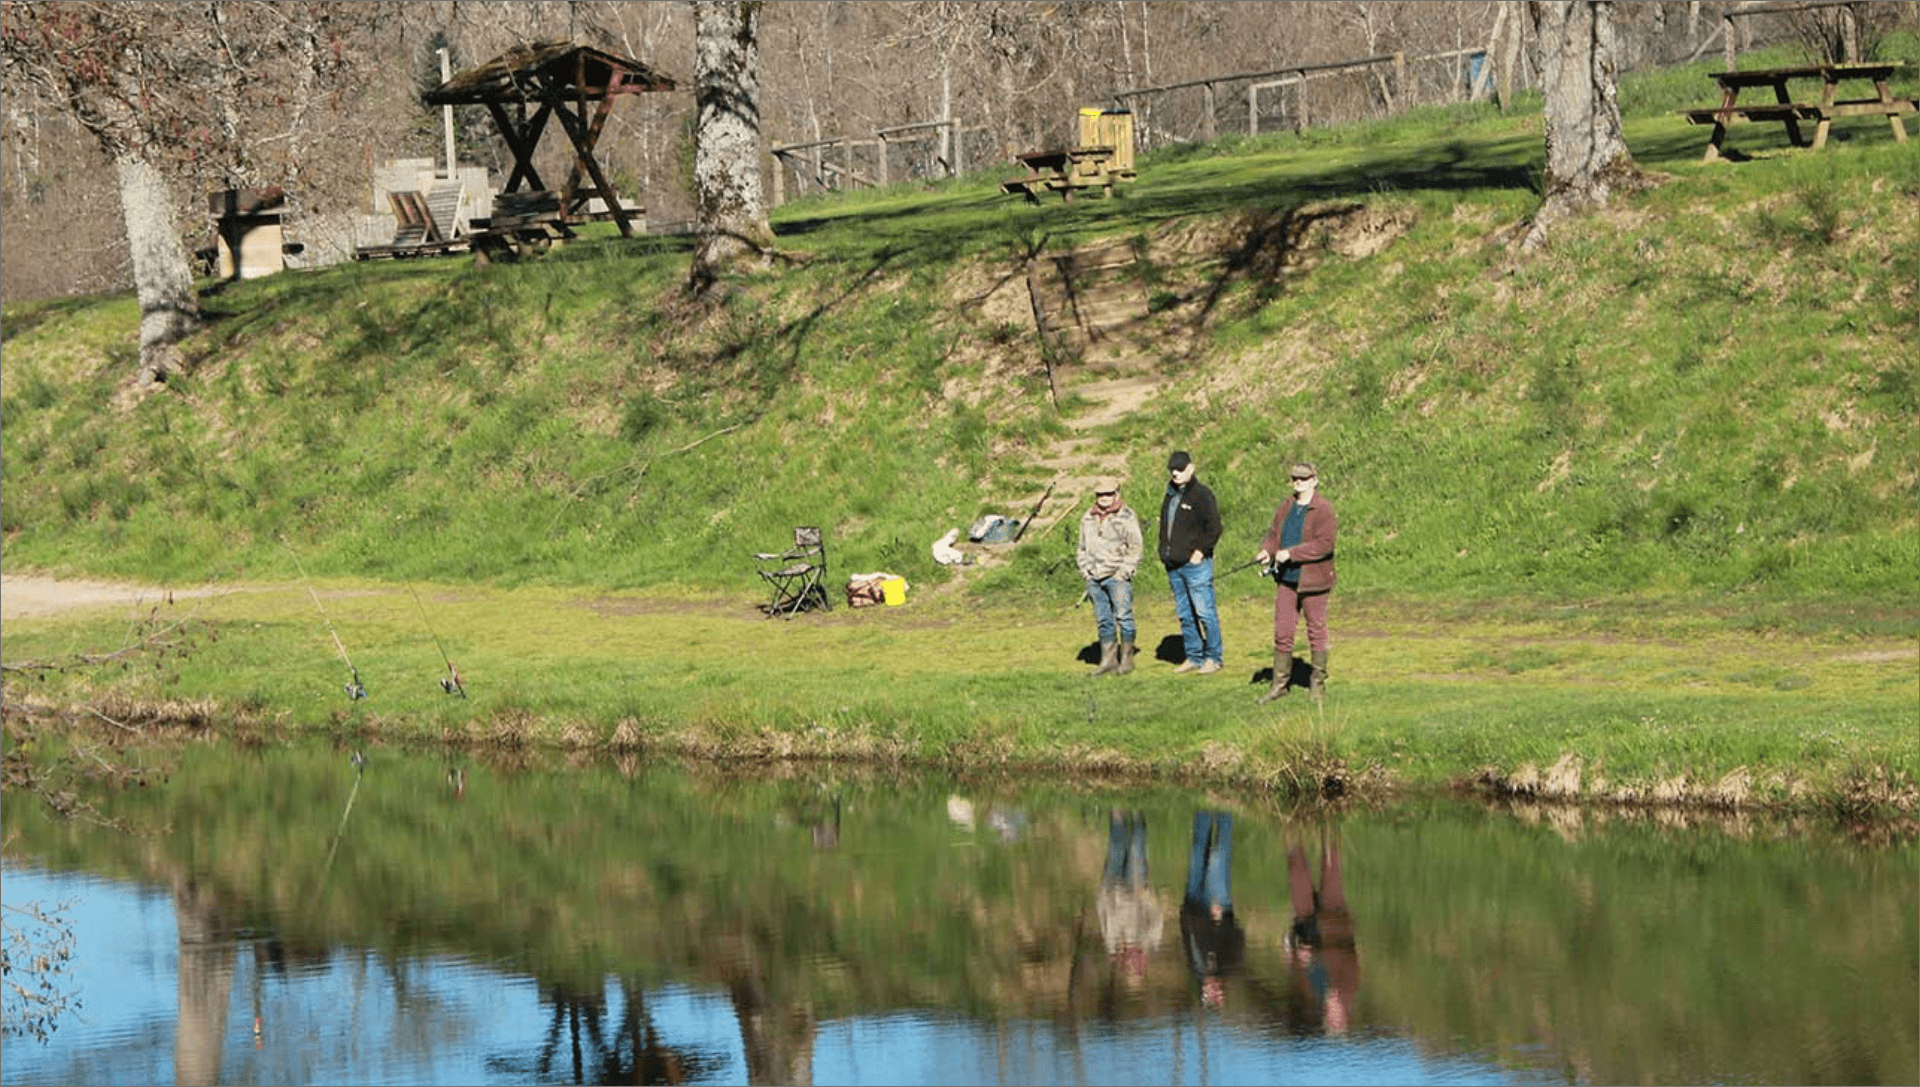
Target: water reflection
x=601, y=1048
x=1131, y=922
x=1214, y=941
x=1323, y=955
x=204, y=982
x=307, y=918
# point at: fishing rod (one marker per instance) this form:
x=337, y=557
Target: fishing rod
x=1031, y=514
x=1265, y=567
x=449, y=683
x=359, y=762
x=354, y=688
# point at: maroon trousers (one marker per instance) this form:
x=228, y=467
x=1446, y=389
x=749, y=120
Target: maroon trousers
x=1289, y=604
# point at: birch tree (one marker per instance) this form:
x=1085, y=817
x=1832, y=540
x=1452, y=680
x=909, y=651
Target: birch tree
x=1587, y=158
x=97, y=61
x=731, y=212
x=207, y=92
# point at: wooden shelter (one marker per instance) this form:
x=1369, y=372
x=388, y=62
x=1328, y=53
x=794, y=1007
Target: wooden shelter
x=526, y=87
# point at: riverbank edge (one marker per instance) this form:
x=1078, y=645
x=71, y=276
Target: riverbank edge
x=1309, y=766
x=1868, y=799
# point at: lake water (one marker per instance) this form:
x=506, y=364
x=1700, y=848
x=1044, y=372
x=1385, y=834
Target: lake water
x=292, y=915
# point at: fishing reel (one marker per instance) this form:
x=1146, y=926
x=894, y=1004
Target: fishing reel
x=450, y=683
x=354, y=688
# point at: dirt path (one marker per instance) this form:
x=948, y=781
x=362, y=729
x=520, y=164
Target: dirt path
x=37, y=597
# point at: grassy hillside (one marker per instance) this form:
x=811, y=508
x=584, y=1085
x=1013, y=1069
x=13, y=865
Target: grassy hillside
x=1710, y=389
x=1630, y=520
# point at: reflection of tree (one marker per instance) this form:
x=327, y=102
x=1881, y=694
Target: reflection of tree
x=36, y=959
x=634, y=1053
x=777, y=1038
x=205, y=982
x=572, y=1009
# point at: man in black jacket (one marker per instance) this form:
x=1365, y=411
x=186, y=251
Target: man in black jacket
x=1189, y=529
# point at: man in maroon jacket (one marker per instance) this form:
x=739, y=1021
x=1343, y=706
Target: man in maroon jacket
x=1299, y=547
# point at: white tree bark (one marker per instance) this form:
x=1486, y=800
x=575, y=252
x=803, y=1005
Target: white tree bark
x=730, y=208
x=1587, y=156
x=1512, y=72
x=162, y=279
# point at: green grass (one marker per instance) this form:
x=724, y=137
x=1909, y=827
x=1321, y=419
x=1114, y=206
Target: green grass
x=1684, y=706
x=1692, y=416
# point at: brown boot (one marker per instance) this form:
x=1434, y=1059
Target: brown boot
x=1126, y=659
x=1282, y=678
x=1109, y=659
x=1319, y=687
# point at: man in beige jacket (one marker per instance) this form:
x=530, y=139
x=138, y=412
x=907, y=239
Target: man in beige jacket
x=1110, y=546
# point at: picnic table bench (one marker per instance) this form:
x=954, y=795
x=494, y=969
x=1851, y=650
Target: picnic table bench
x=522, y=224
x=1067, y=171
x=1785, y=110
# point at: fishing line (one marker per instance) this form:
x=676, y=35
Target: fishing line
x=354, y=688
x=450, y=684
x=360, y=772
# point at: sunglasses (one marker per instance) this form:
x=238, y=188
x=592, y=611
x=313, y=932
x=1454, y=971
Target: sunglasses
x=1301, y=479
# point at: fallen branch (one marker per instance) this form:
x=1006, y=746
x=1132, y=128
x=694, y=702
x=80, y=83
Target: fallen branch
x=639, y=472
x=157, y=639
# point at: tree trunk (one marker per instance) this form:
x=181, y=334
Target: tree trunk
x=732, y=215
x=162, y=279
x=1587, y=157
x=1487, y=66
x=204, y=973
x=1512, y=76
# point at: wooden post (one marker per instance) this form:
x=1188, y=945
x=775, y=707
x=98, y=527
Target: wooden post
x=446, y=113
x=880, y=141
x=1727, y=31
x=779, y=179
x=1207, y=129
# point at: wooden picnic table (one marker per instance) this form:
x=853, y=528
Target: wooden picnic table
x=1785, y=110
x=1066, y=170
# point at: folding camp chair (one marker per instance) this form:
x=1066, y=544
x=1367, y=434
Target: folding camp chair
x=799, y=580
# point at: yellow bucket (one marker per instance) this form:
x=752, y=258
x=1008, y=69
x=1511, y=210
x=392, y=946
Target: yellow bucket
x=894, y=591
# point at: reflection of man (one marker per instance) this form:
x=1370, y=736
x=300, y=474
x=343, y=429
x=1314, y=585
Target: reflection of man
x=1322, y=936
x=1130, y=920
x=1214, y=941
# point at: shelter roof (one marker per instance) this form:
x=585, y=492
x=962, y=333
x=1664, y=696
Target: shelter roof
x=543, y=71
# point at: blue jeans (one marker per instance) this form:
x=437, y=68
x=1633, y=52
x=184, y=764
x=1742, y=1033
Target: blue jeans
x=1112, y=606
x=1209, y=881
x=1192, y=586
x=1126, y=851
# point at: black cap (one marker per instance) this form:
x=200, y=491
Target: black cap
x=1179, y=461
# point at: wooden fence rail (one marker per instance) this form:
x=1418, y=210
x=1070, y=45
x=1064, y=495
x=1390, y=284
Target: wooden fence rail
x=1397, y=82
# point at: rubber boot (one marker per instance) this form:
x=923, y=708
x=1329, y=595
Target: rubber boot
x=1319, y=674
x=1109, y=659
x=1282, y=678
x=1126, y=659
